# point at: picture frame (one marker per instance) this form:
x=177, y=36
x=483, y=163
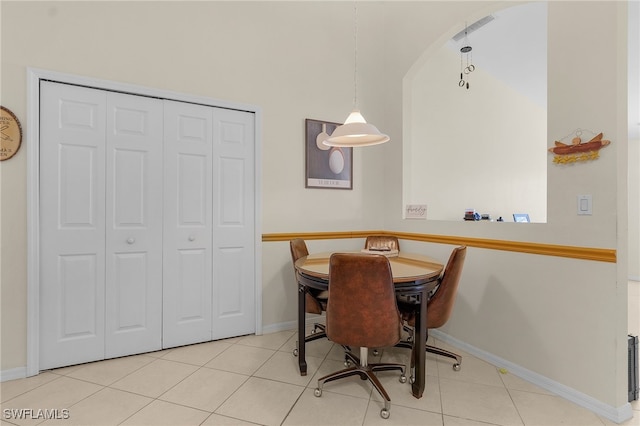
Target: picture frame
x=521, y=218
x=325, y=166
x=10, y=132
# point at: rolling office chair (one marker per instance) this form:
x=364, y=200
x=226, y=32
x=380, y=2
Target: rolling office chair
x=439, y=308
x=362, y=311
x=315, y=300
x=382, y=242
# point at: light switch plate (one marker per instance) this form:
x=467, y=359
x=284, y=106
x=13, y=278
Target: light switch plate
x=584, y=204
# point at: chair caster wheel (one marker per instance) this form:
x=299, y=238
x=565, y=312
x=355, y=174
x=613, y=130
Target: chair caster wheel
x=295, y=352
x=317, y=392
x=412, y=379
x=456, y=367
x=403, y=379
x=384, y=413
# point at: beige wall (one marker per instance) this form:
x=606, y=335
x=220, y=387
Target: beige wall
x=559, y=318
x=549, y=313
x=495, y=158
x=564, y=319
x=634, y=143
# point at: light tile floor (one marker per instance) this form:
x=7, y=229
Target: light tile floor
x=254, y=380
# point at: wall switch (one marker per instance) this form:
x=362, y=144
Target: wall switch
x=584, y=204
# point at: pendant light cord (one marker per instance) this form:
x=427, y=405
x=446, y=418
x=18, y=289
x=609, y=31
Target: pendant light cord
x=355, y=131
x=355, y=55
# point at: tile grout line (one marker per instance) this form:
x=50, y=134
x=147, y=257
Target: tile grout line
x=305, y=388
x=199, y=367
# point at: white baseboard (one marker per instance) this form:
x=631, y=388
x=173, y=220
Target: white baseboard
x=13, y=374
x=292, y=325
x=615, y=414
x=282, y=326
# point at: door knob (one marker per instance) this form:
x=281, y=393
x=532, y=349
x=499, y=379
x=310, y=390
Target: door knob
x=131, y=240
x=192, y=237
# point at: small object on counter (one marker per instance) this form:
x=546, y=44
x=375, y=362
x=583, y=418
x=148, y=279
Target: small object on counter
x=470, y=214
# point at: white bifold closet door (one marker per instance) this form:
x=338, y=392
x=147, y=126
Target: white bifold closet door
x=101, y=223
x=188, y=197
x=233, y=223
x=133, y=317
x=208, y=230
x=147, y=235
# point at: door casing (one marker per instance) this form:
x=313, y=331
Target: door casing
x=34, y=76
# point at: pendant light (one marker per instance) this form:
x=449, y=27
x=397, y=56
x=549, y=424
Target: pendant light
x=356, y=131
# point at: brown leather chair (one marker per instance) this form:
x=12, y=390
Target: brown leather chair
x=315, y=300
x=439, y=307
x=382, y=243
x=374, y=242
x=362, y=311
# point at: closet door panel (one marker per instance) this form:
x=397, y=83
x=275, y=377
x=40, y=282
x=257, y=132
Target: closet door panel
x=187, y=228
x=72, y=226
x=134, y=224
x=192, y=173
x=233, y=232
x=192, y=289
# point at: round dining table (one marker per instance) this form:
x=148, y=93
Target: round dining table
x=414, y=276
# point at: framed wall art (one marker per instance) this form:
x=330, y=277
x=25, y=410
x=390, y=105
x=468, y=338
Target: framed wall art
x=326, y=166
x=10, y=134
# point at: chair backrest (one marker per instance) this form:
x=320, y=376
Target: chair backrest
x=298, y=249
x=362, y=309
x=382, y=241
x=441, y=303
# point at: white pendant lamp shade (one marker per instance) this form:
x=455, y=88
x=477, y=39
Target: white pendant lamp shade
x=356, y=132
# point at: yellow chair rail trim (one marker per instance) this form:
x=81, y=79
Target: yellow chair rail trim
x=587, y=253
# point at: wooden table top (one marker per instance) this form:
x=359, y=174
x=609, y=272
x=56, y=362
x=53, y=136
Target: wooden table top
x=405, y=267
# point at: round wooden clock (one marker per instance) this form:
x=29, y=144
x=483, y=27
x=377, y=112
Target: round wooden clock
x=10, y=134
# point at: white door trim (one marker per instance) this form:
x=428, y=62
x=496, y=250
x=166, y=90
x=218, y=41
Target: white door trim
x=34, y=76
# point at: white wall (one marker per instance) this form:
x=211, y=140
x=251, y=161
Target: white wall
x=293, y=60
x=224, y=50
x=482, y=148
x=634, y=142
x=563, y=319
